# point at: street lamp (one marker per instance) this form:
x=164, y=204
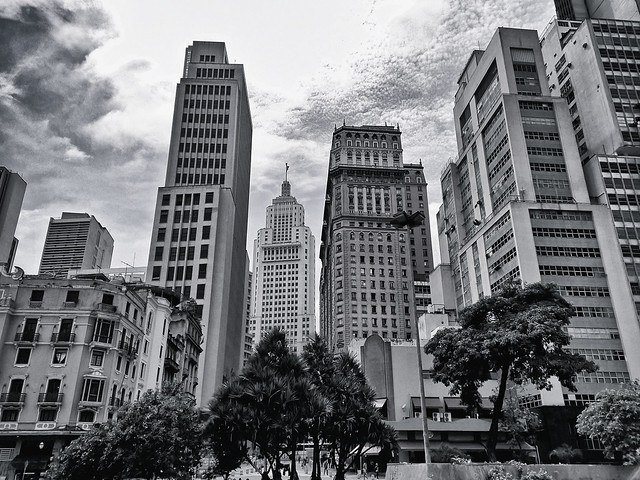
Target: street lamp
x=409, y=221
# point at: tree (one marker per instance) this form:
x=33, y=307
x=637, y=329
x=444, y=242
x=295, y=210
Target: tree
x=614, y=419
x=518, y=333
x=354, y=421
x=264, y=405
x=320, y=369
x=565, y=454
x=446, y=453
x=519, y=423
x=159, y=435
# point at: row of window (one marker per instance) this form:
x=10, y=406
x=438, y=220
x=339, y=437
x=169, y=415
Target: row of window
x=215, y=73
x=210, y=89
x=572, y=271
x=182, y=235
x=185, y=216
x=191, y=179
x=554, y=251
x=563, y=232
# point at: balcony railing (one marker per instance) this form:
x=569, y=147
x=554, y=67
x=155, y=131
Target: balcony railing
x=115, y=402
x=63, y=337
x=27, y=337
x=106, y=307
x=171, y=365
x=103, y=339
x=128, y=349
x=49, y=397
x=12, y=397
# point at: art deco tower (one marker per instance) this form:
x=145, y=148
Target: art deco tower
x=200, y=223
x=283, y=292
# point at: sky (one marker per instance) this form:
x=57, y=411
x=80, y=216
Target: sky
x=87, y=90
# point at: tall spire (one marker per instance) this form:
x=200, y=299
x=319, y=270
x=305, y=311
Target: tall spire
x=286, y=186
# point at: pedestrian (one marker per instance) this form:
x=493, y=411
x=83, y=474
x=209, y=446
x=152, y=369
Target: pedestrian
x=377, y=467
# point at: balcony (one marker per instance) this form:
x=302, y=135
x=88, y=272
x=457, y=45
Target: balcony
x=104, y=339
x=12, y=397
x=171, y=365
x=106, y=307
x=70, y=304
x=50, y=398
x=128, y=349
x=29, y=337
x=63, y=337
x=35, y=304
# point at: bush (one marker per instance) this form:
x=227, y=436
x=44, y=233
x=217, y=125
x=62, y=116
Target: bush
x=499, y=473
x=446, y=454
x=537, y=475
x=565, y=454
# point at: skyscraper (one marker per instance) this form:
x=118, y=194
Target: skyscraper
x=519, y=178
x=594, y=65
x=581, y=9
x=283, y=294
x=12, y=188
x=75, y=241
x=368, y=266
x=200, y=223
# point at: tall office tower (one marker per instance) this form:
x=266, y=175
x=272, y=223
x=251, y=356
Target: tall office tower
x=595, y=66
x=284, y=273
x=200, y=223
x=581, y=9
x=12, y=188
x=519, y=180
x=366, y=283
x=74, y=241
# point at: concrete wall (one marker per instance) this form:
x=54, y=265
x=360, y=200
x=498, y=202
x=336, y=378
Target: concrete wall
x=447, y=471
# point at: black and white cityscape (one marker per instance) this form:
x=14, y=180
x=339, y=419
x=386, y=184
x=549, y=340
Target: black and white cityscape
x=418, y=246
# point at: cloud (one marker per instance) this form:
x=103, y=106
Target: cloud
x=68, y=130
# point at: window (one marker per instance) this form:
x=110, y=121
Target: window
x=157, y=271
x=87, y=416
x=206, y=232
x=72, y=296
x=36, y=295
x=207, y=213
x=200, y=291
x=202, y=270
x=103, y=331
x=10, y=414
x=204, y=251
x=164, y=215
x=166, y=200
x=59, y=356
x=97, y=358
x=92, y=390
x=23, y=356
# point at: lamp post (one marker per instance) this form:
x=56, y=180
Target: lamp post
x=409, y=221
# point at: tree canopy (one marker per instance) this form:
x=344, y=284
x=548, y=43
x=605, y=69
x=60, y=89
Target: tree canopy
x=518, y=333
x=614, y=419
x=280, y=400
x=158, y=435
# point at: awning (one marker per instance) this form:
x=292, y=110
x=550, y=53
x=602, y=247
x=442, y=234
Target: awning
x=455, y=403
x=372, y=451
x=464, y=446
x=35, y=462
x=430, y=402
x=379, y=402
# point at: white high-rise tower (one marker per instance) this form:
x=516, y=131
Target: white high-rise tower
x=283, y=293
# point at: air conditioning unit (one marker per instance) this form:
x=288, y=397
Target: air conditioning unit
x=446, y=417
x=437, y=417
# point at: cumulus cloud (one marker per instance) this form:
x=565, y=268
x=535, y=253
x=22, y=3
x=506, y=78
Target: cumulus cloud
x=61, y=128
x=406, y=76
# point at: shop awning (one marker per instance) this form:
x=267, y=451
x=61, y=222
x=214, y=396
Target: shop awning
x=379, y=402
x=430, y=402
x=455, y=403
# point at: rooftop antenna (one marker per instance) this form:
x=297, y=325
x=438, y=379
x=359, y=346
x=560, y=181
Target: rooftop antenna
x=344, y=122
x=286, y=170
